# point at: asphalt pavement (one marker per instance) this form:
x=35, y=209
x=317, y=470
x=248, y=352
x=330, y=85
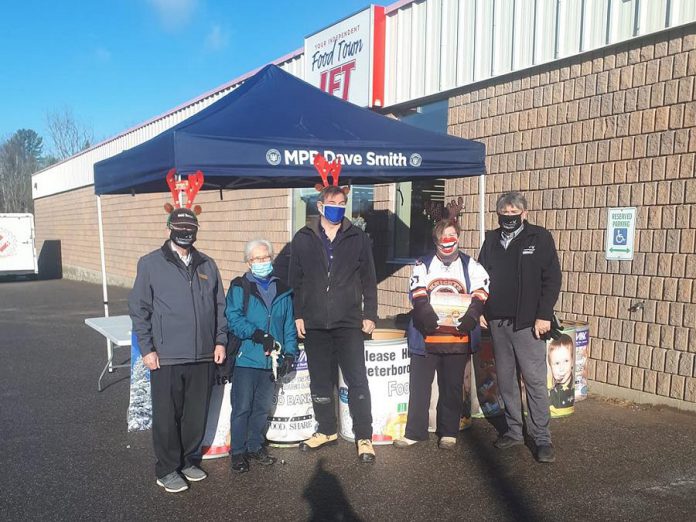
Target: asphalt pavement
x=66, y=454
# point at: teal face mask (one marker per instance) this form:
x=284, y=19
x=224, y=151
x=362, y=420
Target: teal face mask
x=262, y=270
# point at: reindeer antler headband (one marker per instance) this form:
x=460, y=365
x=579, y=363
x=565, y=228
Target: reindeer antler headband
x=190, y=187
x=454, y=208
x=324, y=168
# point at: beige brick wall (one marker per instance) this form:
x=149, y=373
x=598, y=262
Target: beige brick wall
x=615, y=127
x=612, y=128
x=134, y=226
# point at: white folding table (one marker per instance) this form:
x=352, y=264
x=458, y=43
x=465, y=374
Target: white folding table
x=117, y=330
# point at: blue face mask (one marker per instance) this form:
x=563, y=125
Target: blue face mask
x=262, y=270
x=334, y=213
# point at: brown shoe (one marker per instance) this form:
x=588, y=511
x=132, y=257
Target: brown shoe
x=318, y=440
x=366, y=452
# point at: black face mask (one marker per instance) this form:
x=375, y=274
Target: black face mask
x=510, y=223
x=183, y=238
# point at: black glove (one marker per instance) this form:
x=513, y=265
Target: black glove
x=286, y=366
x=264, y=339
x=467, y=324
x=424, y=317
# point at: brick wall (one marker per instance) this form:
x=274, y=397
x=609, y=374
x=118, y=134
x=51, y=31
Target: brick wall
x=615, y=127
x=134, y=226
x=611, y=128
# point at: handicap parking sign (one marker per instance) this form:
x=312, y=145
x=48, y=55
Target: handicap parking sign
x=620, y=236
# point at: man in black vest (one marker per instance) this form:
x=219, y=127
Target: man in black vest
x=522, y=262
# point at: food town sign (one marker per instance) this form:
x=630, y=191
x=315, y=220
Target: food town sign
x=347, y=58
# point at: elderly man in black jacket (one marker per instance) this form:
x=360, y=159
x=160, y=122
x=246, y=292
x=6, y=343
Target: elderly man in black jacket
x=177, y=306
x=332, y=273
x=522, y=262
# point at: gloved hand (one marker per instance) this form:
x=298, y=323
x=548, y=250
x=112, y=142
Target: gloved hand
x=424, y=317
x=467, y=324
x=286, y=366
x=264, y=339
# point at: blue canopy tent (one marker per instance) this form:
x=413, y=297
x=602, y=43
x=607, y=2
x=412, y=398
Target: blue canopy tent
x=266, y=133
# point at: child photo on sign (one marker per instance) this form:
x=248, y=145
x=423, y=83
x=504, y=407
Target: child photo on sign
x=560, y=360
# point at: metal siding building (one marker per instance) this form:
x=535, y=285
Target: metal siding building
x=584, y=105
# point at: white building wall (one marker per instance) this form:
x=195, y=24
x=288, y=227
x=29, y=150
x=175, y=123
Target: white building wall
x=432, y=46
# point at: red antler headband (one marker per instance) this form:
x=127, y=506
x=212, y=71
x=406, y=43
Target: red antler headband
x=190, y=187
x=324, y=168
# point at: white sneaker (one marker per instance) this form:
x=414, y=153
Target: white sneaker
x=447, y=443
x=405, y=442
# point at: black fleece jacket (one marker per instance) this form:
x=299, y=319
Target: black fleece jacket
x=538, y=273
x=346, y=295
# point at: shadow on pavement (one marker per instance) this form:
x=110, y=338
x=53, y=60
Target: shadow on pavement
x=509, y=495
x=326, y=497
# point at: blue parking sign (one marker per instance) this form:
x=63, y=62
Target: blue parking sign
x=620, y=236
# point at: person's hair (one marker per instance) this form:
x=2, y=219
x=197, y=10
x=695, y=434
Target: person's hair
x=440, y=227
x=331, y=190
x=514, y=199
x=251, y=245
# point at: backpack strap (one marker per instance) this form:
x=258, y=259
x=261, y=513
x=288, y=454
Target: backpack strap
x=246, y=289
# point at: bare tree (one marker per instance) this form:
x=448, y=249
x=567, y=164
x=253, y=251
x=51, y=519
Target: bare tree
x=67, y=134
x=20, y=157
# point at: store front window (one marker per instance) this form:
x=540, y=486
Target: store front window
x=419, y=204
x=359, y=207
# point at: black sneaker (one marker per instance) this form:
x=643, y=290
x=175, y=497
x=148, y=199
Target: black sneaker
x=262, y=457
x=545, y=453
x=240, y=464
x=505, y=441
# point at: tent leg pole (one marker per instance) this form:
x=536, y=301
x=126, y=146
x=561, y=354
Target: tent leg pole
x=482, y=209
x=105, y=291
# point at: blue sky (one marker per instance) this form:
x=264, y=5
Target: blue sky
x=117, y=63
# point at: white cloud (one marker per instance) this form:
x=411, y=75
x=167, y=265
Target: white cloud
x=216, y=38
x=174, y=14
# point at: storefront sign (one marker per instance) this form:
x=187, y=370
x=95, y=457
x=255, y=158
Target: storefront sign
x=621, y=229
x=347, y=59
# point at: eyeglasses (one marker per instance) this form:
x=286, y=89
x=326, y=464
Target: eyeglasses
x=264, y=259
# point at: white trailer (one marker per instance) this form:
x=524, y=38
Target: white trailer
x=17, y=248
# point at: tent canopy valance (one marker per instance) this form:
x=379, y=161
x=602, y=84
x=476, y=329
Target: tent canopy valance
x=266, y=132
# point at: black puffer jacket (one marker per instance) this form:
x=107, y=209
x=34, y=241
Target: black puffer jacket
x=538, y=272
x=342, y=298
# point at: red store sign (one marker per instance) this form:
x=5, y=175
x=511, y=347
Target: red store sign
x=347, y=58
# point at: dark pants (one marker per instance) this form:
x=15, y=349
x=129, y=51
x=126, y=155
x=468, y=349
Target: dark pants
x=450, y=380
x=252, y=400
x=520, y=349
x=346, y=347
x=180, y=397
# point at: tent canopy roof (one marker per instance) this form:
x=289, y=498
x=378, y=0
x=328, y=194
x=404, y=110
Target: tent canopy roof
x=264, y=134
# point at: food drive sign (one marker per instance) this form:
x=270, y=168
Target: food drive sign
x=347, y=59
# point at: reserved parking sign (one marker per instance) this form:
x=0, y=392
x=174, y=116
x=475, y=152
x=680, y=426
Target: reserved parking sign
x=621, y=229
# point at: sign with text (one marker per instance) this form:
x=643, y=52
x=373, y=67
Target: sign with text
x=347, y=58
x=621, y=231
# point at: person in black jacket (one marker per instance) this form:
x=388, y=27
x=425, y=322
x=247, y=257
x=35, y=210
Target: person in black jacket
x=522, y=262
x=332, y=274
x=177, y=306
